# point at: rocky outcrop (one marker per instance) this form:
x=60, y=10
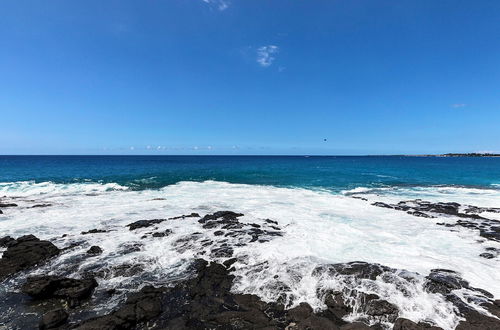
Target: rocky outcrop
x=73, y=291
x=205, y=302
x=8, y=205
x=94, y=250
x=192, y=215
x=405, y=324
x=445, y=281
x=94, y=231
x=6, y=241
x=144, y=223
x=53, y=319
x=25, y=252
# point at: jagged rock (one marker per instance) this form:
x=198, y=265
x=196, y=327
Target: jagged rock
x=41, y=205
x=420, y=214
x=336, y=305
x=356, y=326
x=444, y=281
x=8, y=205
x=362, y=270
x=162, y=234
x=53, y=319
x=27, y=251
x=229, y=262
x=487, y=255
x=6, y=241
x=192, y=215
x=225, y=215
x=72, y=290
x=382, y=310
x=204, y=302
x=271, y=221
x=144, y=223
x=94, y=250
x=405, y=324
x=380, y=204
x=94, y=231
x=477, y=321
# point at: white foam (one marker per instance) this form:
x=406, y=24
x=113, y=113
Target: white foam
x=319, y=227
x=31, y=188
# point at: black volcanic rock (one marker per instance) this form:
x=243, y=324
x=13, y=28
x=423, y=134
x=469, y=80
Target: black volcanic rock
x=27, y=251
x=6, y=241
x=205, y=302
x=225, y=215
x=487, y=255
x=94, y=231
x=53, y=319
x=94, y=250
x=8, y=205
x=41, y=205
x=72, y=290
x=144, y=223
x=162, y=234
x=192, y=215
x=444, y=281
x=405, y=324
x=361, y=270
x=382, y=310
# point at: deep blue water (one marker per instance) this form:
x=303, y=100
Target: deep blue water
x=333, y=173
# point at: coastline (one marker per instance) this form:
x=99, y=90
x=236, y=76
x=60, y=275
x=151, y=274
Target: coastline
x=87, y=283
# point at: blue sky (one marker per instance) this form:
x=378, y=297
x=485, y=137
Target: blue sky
x=249, y=76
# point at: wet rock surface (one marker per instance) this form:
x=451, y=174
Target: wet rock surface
x=144, y=223
x=74, y=291
x=94, y=250
x=25, y=252
x=53, y=319
x=94, y=231
x=6, y=241
x=205, y=302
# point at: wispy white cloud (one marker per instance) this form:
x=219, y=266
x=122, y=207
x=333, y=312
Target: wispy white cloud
x=266, y=55
x=219, y=4
x=459, y=105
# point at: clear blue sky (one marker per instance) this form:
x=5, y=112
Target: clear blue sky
x=249, y=76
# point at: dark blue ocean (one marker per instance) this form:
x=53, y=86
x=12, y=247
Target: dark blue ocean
x=331, y=173
x=326, y=210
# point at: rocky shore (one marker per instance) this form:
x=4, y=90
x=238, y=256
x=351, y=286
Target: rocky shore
x=34, y=295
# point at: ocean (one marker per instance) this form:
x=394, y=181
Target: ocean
x=326, y=207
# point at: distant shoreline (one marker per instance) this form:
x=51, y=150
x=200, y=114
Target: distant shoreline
x=473, y=154
x=251, y=155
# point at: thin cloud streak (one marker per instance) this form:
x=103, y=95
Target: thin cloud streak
x=219, y=4
x=266, y=55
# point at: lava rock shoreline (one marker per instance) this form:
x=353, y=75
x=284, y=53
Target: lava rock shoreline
x=204, y=300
